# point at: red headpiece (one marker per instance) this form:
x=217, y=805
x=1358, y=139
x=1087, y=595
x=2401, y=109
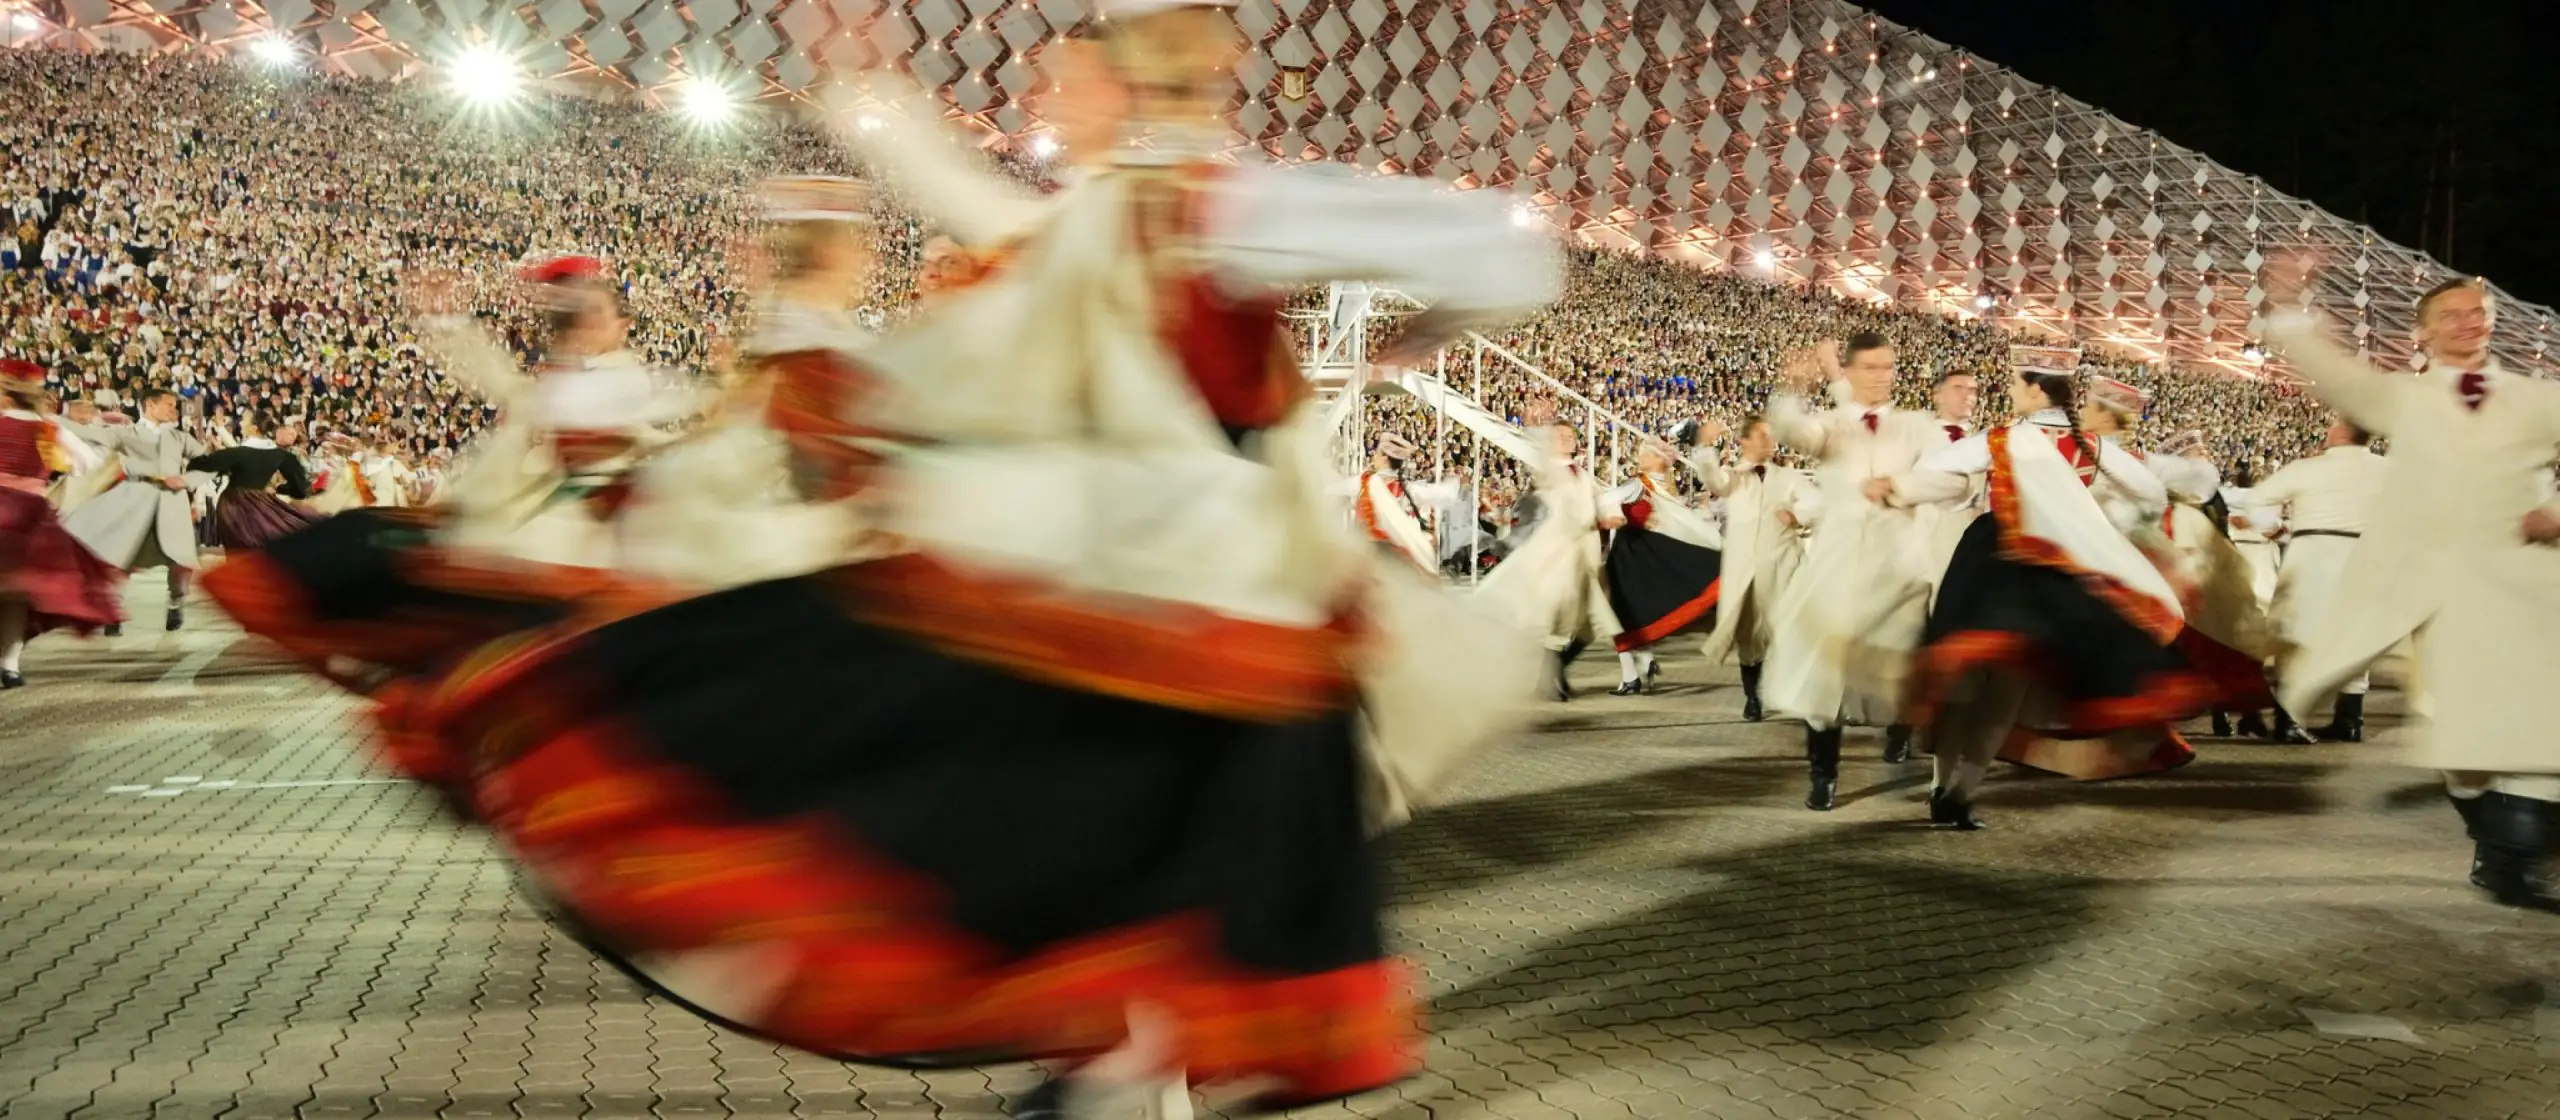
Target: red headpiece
x=554, y=270
x=20, y=369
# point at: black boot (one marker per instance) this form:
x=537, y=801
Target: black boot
x=2252, y=726
x=1897, y=743
x=113, y=630
x=1629, y=687
x=2221, y=724
x=1822, y=753
x=2288, y=733
x=2346, y=725
x=10, y=678
x=1046, y=1101
x=2469, y=807
x=177, y=617
x=1952, y=812
x=2515, y=833
x=1751, y=694
x=1564, y=662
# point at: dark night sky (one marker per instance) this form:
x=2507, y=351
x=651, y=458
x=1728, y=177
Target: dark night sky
x=2430, y=121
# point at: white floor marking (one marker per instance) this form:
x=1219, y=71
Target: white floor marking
x=126, y=789
x=172, y=787
x=2349, y=1025
x=182, y=780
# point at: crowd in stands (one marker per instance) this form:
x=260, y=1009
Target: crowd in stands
x=239, y=235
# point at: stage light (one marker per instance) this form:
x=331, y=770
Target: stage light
x=1983, y=303
x=484, y=75
x=868, y=122
x=707, y=101
x=1044, y=145
x=2253, y=352
x=275, y=50
x=1767, y=260
x=29, y=21
x=1524, y=216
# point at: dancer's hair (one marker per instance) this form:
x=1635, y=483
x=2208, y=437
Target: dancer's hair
x=2059, y=392
x=1862, y=342
x=2457, y=284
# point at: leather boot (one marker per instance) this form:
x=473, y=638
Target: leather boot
x=2346, y=725
x=1564, y=663
x=1950, y=811
x=2288, y=733
x=2221, y=724
x=2515, y=833
x=1897, y=743
x=2469, y=807
x=1822, y=754
x=1751, y=694
x=2251, y=726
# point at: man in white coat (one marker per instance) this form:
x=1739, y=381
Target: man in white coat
x=147, y=520
x=1767, y=509
x=2457, y=550
x=2325, y=501
x=1849, y=623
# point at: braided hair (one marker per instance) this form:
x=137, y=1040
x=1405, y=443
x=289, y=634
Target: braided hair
x=2060, y=393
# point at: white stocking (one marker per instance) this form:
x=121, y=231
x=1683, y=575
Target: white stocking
x=13, y=634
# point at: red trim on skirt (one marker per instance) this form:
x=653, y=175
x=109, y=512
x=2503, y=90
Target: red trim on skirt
x=2162, y=698
x=2239, y=681
x=867, y=963
x=1629, y=641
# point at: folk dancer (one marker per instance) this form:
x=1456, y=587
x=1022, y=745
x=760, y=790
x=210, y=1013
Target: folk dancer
x=1854, y=614
x=2048, y=616
x=263, y=482
x=761, y=491
x=387, y=479
x=1552, y=577
x=1126, y=563
x=2458, y=550
x=1385, y=505
x=2323, y=504
x=1768, y=512
x=1663, y=568
x=48, y=580
x=146, y=520
x=2225, y=644
x=82, y=418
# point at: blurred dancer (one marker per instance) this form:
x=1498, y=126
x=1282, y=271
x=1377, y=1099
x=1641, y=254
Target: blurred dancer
x=1386, y=506
x=1853, y=614
x=1554, y=576
x=1148, y=839
x=2324, y=503
x=1767, y=512
x=2457, y=549
x=2048, y=616
x=48, y=581
x=262, y=481
x=147, y=520
x=1662, y=569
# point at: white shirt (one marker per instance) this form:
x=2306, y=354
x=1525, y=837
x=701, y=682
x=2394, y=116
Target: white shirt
x=2332, y=491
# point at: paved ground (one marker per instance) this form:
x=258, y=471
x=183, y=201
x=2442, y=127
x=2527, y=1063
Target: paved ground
x=209, y=906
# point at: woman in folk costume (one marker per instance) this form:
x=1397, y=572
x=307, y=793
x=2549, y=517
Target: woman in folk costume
x=1551, y=582
x=1768, y=510
x=1131, y=615
x=2459, y=550
x=747, y=498
x=386, y=601
x=82, y=419
x=48, y=581
x=2225, y=638
x=336, y=484
x=1387, y=507
x=1662, y=567
x=387, y=479
x=262, y=483
x=2048, y=616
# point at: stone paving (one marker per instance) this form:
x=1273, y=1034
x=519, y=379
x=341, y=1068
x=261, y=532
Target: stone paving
x=210, y=906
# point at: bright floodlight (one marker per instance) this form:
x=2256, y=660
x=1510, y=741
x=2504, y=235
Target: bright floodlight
x=29, y=21
x=485, y=76
x=274, y=50
x=1524, y=216
x=707, y=101
x=1982, y=303
x=1765, y=259
x=1044, y=145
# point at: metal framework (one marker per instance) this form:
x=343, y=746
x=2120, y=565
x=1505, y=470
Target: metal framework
x=1809, y=140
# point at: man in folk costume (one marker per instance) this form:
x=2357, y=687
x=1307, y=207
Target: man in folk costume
x=1853, y=616
x=147, y=520
x=1768, y=510
x=1127, y=559
x=759, y=492
x=1388, y=508
x=2323, y=503
x=2458, y=551
x=1551, y=581
x=1663, y=567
